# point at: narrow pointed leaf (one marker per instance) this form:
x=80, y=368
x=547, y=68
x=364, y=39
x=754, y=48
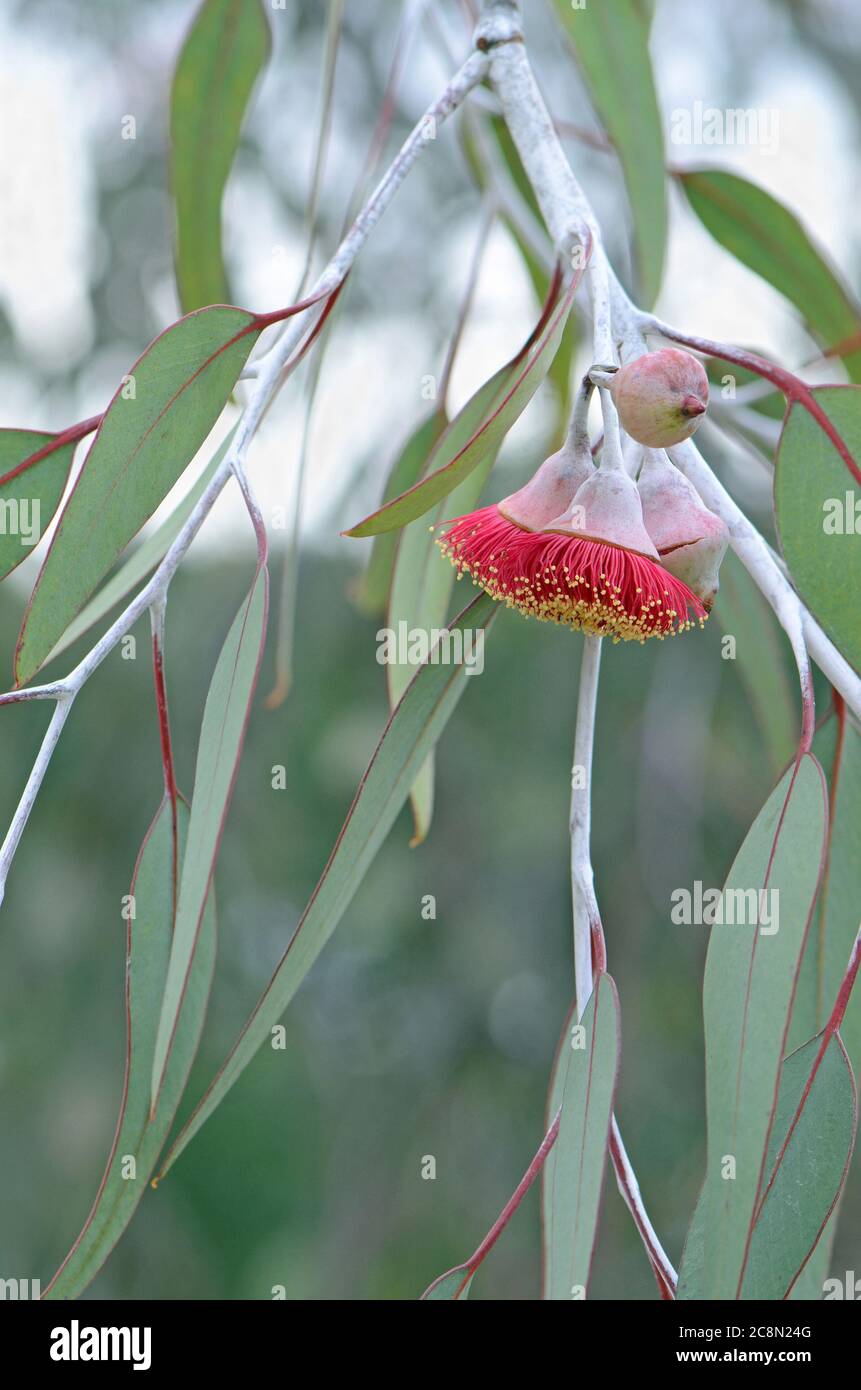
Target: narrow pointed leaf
x=137, y=1139
x=445, y=475
x=152, y=428
x=143, y=560
x=817, y=505
x=838, y=908
x=422, y=580
x=612, y=47
x=816, y=1109
x=409, y=736
x=750, y=979
x=221, y=59
x=554, y=1103
x=29, y=492
x=768, y=238
x=831, y=935
x=808, y=1157
x=373, y=588
x=221, y=736
x=576, y=1179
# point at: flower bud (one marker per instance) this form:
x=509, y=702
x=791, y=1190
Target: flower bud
x=550, y=490
x=690, y=539
x=607, y=507
x=661, y=397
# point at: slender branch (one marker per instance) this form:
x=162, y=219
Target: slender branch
x=31, y=790
x=626, y=1181
x=270, y=371
x=254, y=511
x=52, y=691
x=589, y=946
x=569, y=219
x=564, y=206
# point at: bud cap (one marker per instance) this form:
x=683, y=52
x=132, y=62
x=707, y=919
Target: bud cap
x=607, y=507
x=550, y=490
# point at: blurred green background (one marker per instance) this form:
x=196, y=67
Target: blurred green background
x=410, y=1037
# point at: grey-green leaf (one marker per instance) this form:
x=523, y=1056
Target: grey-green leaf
x=221, y=736
x=445, y=474
x=410, y=734
x=769, y=239
x=138, y=1138
x=751, y=971
x=588, y=1065
x=373, y=588
x=832, y=934
x=221, y=59
x=422, y=580
x=152, y=428
x=801, y=1189
x=811, y=1144
x=144, y=559
x=612, y=47
x=29, y=495
x=817, y=504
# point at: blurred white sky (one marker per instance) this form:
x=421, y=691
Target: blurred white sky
x=62, y=107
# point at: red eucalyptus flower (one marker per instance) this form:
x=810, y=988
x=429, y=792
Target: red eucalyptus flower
x=591, y=566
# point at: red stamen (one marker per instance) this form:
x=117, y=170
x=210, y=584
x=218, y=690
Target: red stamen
x=586, y=584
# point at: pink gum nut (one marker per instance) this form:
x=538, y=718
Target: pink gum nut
x=661, y=397
x=691, y=540
x=549, y=491
x=607, y=507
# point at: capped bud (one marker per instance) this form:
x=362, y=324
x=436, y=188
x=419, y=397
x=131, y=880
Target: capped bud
x=607, y=507
x=550, y=490
x=661, y=397
x=691, y=540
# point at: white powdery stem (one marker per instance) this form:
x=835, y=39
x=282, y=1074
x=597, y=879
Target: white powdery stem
x=582, y=876
x=568, y=215
x=626, y=1181
x=563, y=206
x=31, y=790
